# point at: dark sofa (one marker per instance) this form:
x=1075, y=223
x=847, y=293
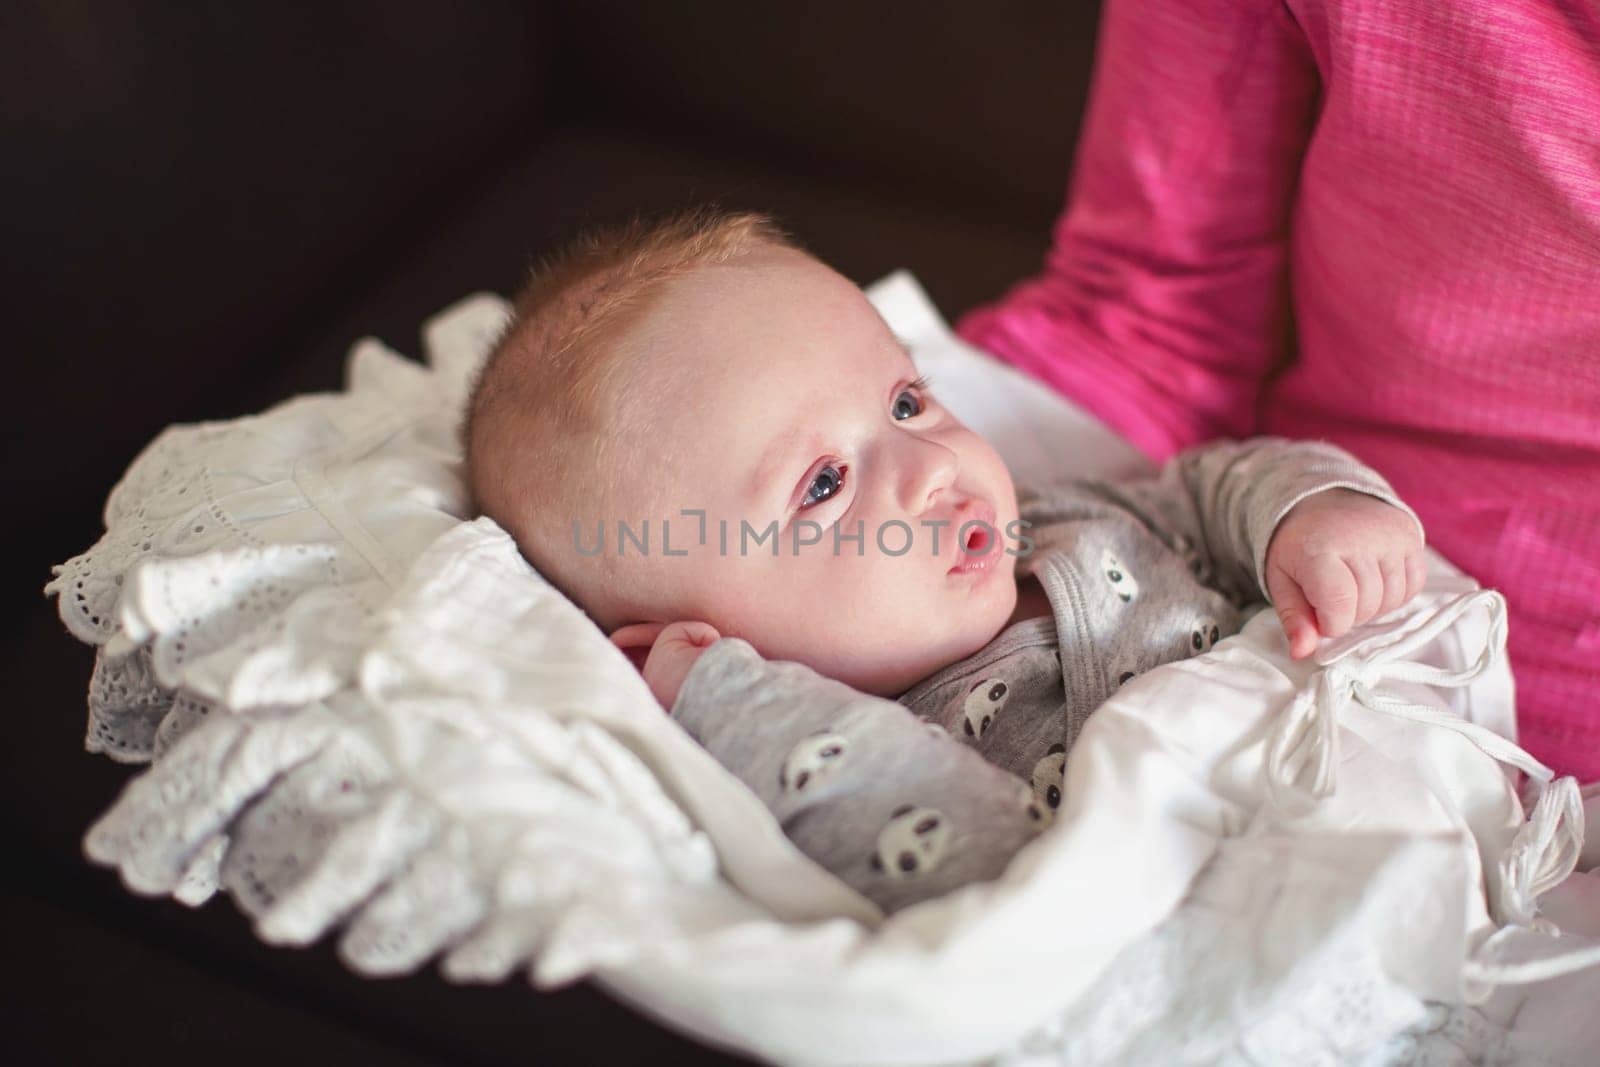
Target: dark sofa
x=205, y=204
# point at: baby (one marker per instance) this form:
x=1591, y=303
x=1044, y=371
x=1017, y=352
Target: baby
x=713, y=444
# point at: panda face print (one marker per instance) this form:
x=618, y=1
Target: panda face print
x=912, y=842
x=983, y=704
x=814, y=757
x=1039, y=814
x=1047, y=777
x=1125, y=585
x=1204, y=636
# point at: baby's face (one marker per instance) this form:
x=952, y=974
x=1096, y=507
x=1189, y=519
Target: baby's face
x=770, y=391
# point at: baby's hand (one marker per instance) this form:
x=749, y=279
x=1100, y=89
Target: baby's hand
x=1337, y=559
x=672, y=650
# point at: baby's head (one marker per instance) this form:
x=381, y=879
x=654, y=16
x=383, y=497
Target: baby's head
x=706, y=364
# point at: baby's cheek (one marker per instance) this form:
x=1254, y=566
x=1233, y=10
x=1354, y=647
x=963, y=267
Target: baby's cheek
x=886, y=620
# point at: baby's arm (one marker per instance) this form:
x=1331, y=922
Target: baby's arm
x=892, y=805
x=1323, y=537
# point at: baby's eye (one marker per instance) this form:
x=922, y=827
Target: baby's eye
x=907, y=405
x=828, y=481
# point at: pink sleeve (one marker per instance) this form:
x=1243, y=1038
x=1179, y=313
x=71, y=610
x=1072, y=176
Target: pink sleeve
x=1164, y=302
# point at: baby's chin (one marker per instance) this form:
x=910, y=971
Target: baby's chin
x=899, y=673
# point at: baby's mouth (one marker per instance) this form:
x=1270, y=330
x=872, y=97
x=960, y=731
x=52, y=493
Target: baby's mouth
x=976, y=539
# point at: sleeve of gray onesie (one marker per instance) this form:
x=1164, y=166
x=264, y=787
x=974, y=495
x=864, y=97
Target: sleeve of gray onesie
x=1219, y=503
x=893, y=806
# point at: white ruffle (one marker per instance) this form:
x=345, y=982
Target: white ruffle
x=366, y=713
x=248, y=603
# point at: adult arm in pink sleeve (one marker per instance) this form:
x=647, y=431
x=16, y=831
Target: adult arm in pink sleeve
x=1163, y=304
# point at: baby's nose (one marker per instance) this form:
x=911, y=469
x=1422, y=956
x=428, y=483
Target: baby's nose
x=931, y=473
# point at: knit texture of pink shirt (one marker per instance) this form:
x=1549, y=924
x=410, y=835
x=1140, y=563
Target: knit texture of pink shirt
x=1376, y=223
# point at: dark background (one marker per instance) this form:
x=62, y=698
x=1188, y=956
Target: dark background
x=202, y=205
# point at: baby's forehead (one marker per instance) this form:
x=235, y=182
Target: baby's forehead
x=745, y=370
x=729, y=399
x=781, y=316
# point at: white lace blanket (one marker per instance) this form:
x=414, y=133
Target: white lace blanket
x=366, y=714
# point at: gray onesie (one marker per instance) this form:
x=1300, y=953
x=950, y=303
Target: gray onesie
x=909, y=799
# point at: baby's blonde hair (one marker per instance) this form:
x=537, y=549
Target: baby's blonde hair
x=537, y=434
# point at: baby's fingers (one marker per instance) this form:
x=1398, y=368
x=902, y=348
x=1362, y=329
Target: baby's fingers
x=639, y=633
x=690, y=634
x=1295, y=615
x=1369, y=588
x=1333, y=591
x=1396, y=589
x=1416, y=574
x=637, y=639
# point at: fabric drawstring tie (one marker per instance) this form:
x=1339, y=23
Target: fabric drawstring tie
x=1303, y=747
x=1544, y=852
x=1528, y=948
x=1303, y=754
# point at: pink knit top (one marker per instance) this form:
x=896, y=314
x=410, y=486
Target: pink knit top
x=1419, y=182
